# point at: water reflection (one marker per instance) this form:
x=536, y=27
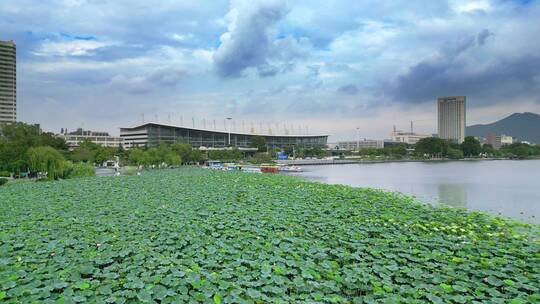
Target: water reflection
x=507, y=188
x=454, y=195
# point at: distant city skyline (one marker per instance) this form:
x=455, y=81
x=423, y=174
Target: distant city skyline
x=330, y=65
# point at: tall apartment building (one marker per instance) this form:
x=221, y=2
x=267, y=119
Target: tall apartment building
x=452, y=118
x=8, y=82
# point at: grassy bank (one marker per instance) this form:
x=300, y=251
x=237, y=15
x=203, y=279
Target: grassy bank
x=172, y=236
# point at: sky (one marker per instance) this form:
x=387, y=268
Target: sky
x=316, y=66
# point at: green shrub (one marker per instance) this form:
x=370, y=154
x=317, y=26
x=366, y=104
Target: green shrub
x=261, y=157
x=128, y=170
x=5, y=174
x=3, y=181
x=78, y=170
x=454, y=153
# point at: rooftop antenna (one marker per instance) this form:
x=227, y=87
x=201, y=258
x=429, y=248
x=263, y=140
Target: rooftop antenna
x=412, y=127
x=193, y=121
x=394, y=128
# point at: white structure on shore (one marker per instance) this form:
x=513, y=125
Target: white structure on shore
x=410, y=138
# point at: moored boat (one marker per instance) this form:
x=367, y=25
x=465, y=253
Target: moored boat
x=269, y=169
x=292, y=168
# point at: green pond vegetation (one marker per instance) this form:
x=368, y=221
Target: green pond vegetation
x=200, y=236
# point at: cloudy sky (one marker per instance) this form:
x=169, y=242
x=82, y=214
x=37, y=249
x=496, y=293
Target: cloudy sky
x=332, y=66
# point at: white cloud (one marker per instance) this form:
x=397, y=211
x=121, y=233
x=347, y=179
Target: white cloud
x=471, y=6
x=182, y=37
x=70, y=48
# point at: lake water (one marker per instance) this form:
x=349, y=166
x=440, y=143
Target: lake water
x=507, y=188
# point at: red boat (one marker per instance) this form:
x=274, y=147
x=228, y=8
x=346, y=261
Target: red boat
x=269, y=169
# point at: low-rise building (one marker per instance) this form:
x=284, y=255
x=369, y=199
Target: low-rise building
x=498, y=141
x=75, y=138
x=354, y=145
x=410, y=138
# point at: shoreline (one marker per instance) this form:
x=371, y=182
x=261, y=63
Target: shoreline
x=315, y=162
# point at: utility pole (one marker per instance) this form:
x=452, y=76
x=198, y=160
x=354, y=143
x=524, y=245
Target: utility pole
x=229, y=118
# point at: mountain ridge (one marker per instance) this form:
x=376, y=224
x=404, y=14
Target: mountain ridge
x=524, y=126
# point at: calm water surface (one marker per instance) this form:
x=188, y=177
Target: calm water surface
x=506, y=188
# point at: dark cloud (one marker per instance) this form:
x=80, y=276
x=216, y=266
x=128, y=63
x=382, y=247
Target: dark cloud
x=251, y=41
x=267, y=70
x=483, y=36
x=450, y=73
x=499, y=82
x=349, y=89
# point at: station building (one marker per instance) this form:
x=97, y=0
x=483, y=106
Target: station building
x=153, y=134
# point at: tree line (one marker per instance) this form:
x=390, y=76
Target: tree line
x=432, y=147
x=27, y=151
x=471, y=147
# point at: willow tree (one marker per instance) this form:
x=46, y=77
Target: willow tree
x=46, y=159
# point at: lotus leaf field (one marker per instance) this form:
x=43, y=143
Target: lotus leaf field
x=199, y=236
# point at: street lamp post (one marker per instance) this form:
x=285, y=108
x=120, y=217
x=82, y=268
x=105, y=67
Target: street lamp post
x=229, y=129
x=358, y=139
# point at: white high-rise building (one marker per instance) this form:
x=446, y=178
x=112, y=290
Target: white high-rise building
x=8, y=82
x=452, y=118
